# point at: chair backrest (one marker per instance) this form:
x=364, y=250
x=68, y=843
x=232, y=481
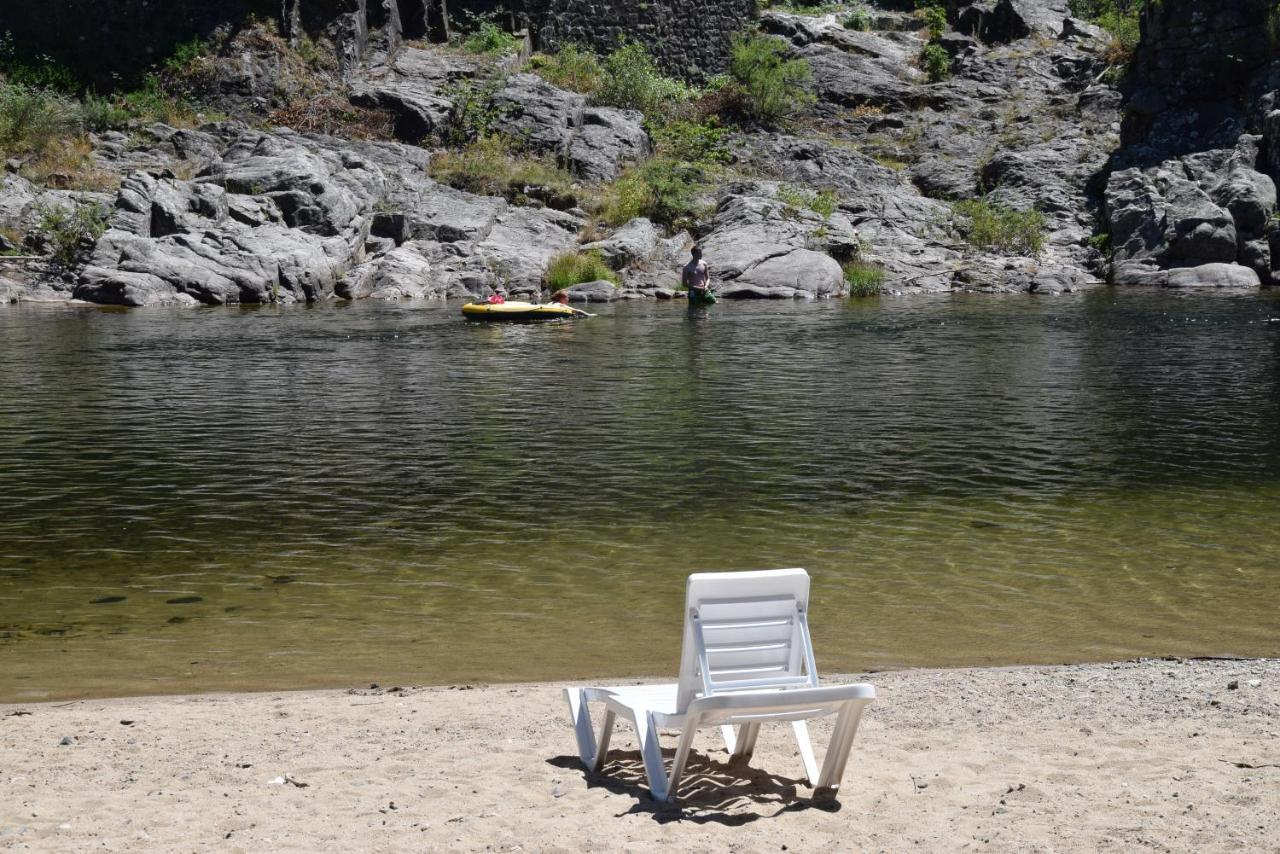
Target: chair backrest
x=745, y=631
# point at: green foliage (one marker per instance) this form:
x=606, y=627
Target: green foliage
x=1119, y=18
x=770, y=87
x=489, y=39
x=988, y=226
x=32, y=120
x=1101, y=242
x=572, y=68
x=186, y=55
x=859, y=19
x=700, y=143
x=39, y=71
x=99, y=113
x=663, y=189
x=69, y=230
x=573, y=268
x=489, y=167
x=935, y=18
x=935, y=62
x=473, y=114
x=864, y=279
x=796, y=199
x=632, y=81
x=152, y=102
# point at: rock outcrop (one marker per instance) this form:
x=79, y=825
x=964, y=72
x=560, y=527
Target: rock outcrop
x=1193, y=189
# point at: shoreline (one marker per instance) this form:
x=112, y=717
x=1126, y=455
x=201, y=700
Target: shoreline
x=1152, y=753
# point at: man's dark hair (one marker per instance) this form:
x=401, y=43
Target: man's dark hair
x=696, y=251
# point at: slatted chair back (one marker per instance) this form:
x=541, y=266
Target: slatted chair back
x=745, y=631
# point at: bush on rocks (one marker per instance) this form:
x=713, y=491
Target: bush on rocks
x=663, y=190
x=864, y=279
x=769, y=87
x=32, y=119
x=1117, y=17
x=631, y=81
x=573, y=268
x=69, y=230
x=988, y=226
x=572, y=68
x=490, y=167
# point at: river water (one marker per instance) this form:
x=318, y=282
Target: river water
x=269, y=498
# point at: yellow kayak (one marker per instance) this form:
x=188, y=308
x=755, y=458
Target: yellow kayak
x=514, y=311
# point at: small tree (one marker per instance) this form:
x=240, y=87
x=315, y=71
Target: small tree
x=770, y=87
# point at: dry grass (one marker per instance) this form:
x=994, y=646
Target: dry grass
x=865, y=111
x=335, y=116
x=69, y=165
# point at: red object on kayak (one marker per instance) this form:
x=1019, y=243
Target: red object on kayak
x=497, y=299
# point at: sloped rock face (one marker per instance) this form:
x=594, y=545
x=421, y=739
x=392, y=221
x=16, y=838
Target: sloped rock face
x=1194, y=185
x=284, y=217
x=1021, y=122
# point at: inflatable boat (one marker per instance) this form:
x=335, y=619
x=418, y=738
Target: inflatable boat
x=519, y=311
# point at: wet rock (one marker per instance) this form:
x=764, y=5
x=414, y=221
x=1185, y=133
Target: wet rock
x=597, y=291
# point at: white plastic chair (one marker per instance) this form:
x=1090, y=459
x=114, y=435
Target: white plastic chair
x=747, y=660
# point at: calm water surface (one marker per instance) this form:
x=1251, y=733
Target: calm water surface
x=267, y=498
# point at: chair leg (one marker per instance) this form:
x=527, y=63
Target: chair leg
x=806, y=750
x=602, y=750
x=582, y=728
x=682, y=757
x=730, y=734
x=841, y=743
x=746, y=743
x=651, y=752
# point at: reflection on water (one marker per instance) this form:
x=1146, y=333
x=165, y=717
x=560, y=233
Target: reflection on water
x=262, y=498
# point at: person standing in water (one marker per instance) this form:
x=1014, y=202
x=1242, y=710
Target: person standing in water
x=696, y=276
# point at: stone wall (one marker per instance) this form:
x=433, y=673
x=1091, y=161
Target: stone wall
x=1194, y=74
x=688, y=38
x=107, y=39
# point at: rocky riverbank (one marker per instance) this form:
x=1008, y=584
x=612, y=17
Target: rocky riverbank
x=1129, y=177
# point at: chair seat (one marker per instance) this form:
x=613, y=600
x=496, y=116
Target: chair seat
x=660, y=699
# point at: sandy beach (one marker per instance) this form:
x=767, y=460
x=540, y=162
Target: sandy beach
x=1154, y=755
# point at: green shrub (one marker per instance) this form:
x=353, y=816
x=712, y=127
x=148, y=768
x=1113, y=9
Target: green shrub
x=1119, y=18
x=490, y=39
x=98, y=113
x=864, y=279
x=770, y=87
x=572, y=68
x=69, y=231
x=573, y=268
x=185, y=55
x=935, y=19
x=935, y=62
x=664, y=190
x=473, y=114
x=32, y=120
x=824, y=203
x=988, y=226
x=154, y=103
x=632, y=81
x=859, y=19
x=702, y=143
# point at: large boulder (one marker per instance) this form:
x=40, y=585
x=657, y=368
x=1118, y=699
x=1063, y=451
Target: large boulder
x=402, y=273
x=597, y=291
x=607, y=140
x=807, y=272
x=634, y=242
